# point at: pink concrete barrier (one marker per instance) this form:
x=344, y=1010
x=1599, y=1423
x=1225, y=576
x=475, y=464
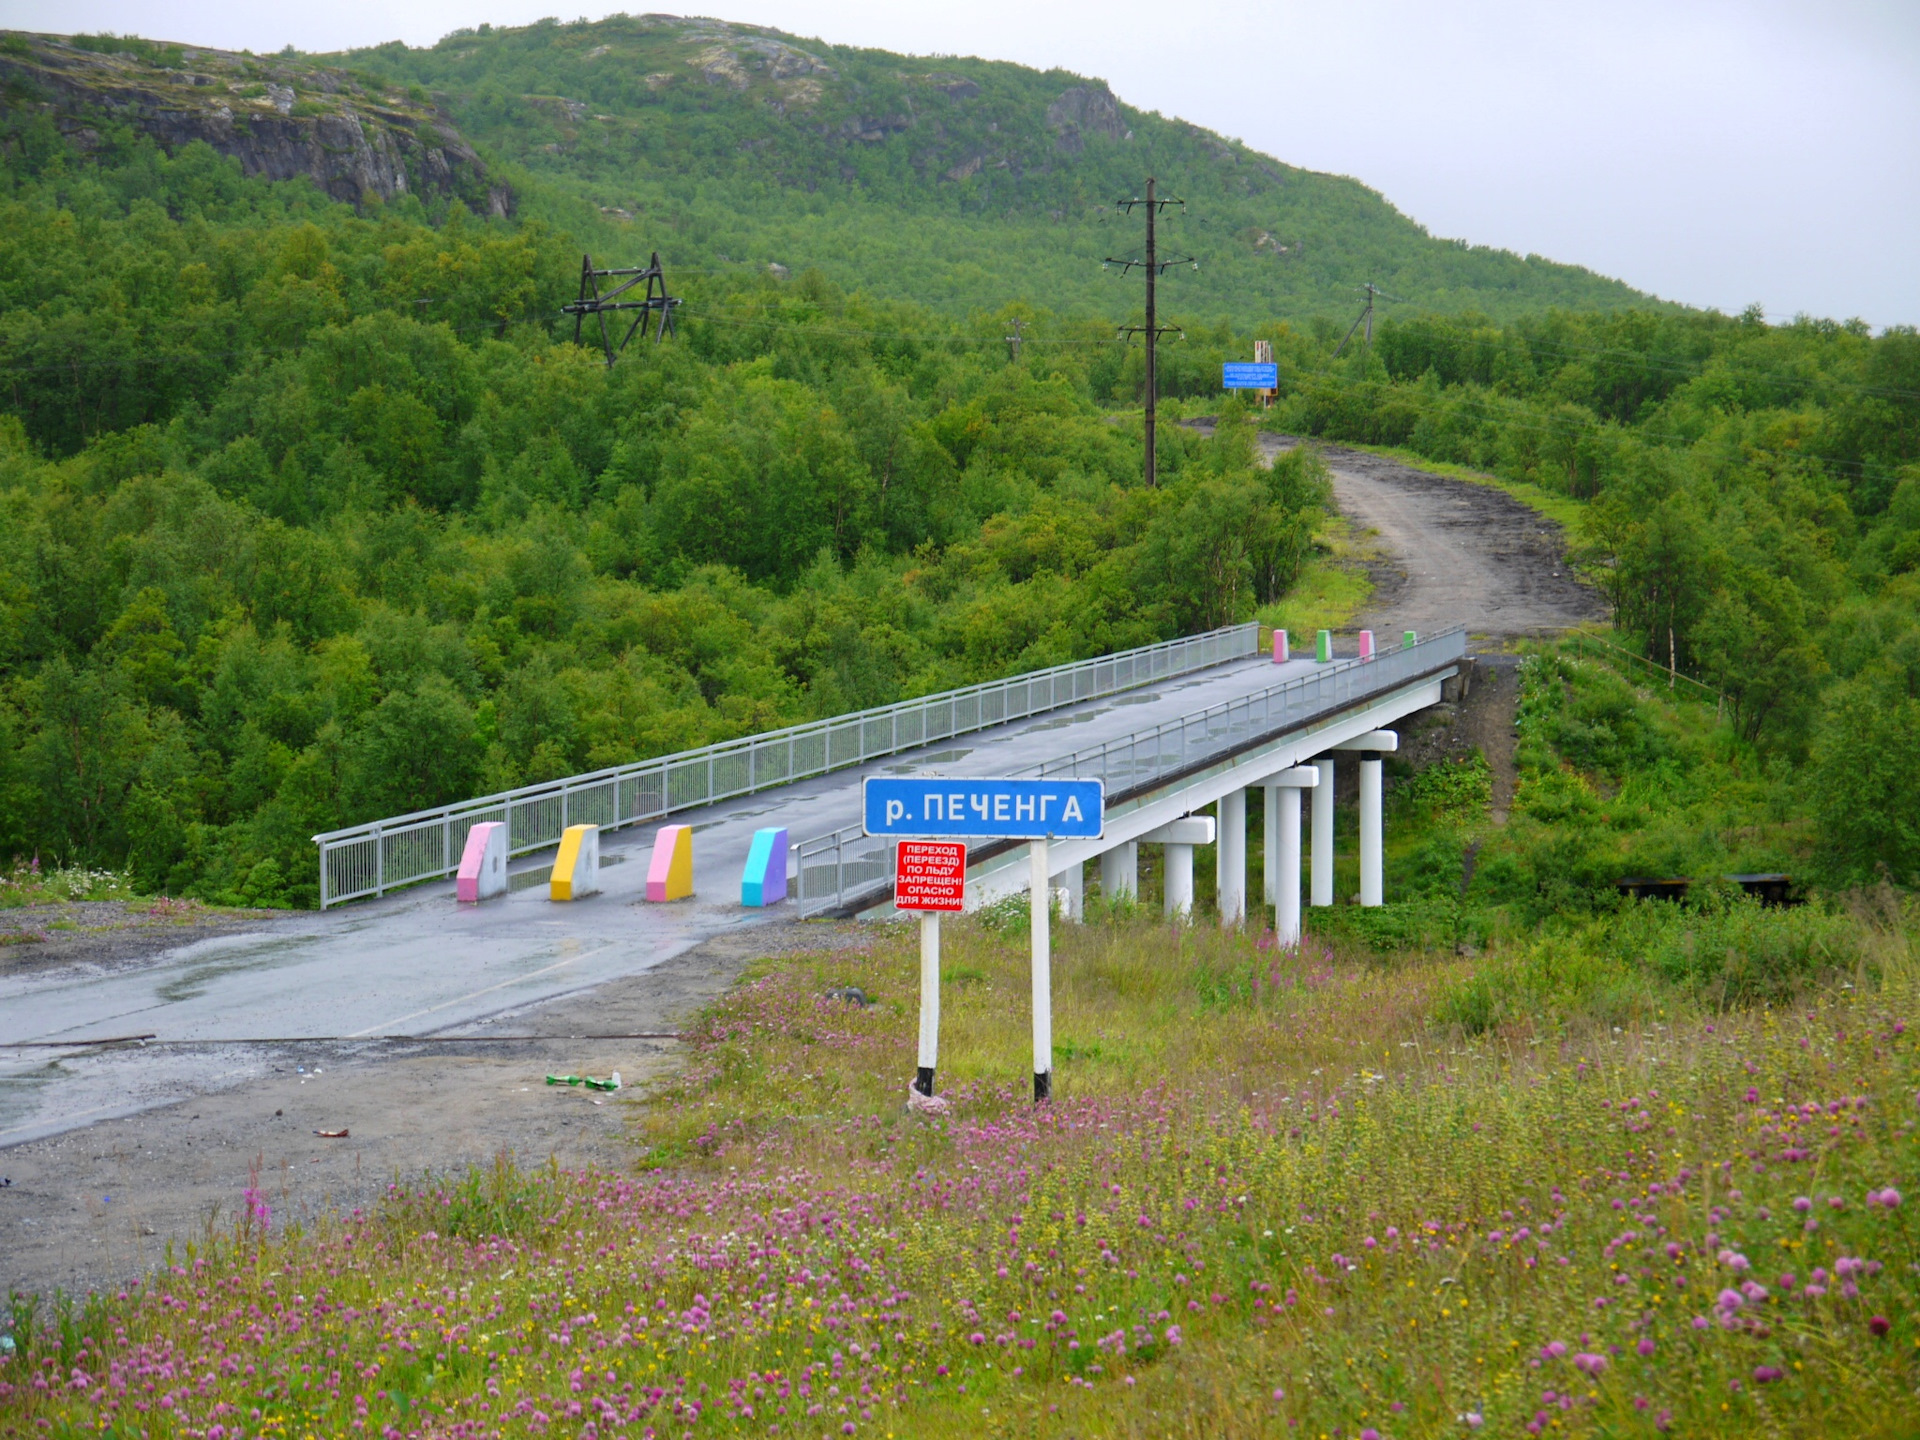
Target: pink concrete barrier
x=1366, y=644
x=483, y=864
x=670, y=870
x=1280, y=647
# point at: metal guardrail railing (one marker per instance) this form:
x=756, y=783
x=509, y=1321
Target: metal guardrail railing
x=837, y=868
x=383, y=855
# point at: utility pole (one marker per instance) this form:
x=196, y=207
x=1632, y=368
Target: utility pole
x=1015, y=340
x=1365, y=315
x=1153, y=330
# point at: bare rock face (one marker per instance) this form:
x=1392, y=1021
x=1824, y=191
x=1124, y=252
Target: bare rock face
x=1085, y=110
x=279, y=118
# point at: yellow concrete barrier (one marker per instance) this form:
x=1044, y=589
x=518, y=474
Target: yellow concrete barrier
x=576, y=869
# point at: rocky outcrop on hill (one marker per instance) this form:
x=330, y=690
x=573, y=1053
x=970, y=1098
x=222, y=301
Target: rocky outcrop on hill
x=1086, y=110
x=279, y=117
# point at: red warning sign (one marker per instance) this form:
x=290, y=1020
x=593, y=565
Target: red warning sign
x=930, y=875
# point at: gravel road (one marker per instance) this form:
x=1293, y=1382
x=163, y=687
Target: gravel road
x=1459, y=553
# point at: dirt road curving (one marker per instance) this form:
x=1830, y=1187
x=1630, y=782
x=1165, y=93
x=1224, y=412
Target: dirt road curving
x=1453, y=553
x=1459, y=553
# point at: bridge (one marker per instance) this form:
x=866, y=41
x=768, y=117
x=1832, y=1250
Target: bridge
x=1170, y=729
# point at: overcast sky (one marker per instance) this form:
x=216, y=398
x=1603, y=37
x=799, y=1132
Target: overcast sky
x=1717, y=152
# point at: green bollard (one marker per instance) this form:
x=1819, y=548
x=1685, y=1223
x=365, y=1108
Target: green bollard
x=1323, y=650
x=1409, y=640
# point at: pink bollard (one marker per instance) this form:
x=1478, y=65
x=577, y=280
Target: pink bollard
x=1280, y=647
x=483, y=864
x=1366, y=644
x=670, y=869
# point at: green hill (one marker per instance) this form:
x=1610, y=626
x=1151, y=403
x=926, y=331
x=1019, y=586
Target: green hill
x=959, y=184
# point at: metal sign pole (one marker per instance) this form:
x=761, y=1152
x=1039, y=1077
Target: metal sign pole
x=1042, y=899
x=929, y=1000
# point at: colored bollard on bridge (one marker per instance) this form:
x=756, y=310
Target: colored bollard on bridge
x=1280, y=655
x=765, y=879
x=670, y=870
x=1366, y=644
x=576, y=868
x=1323, y=648
x=483, y=864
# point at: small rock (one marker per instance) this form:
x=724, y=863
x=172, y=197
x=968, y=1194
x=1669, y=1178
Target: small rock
x=852, y=994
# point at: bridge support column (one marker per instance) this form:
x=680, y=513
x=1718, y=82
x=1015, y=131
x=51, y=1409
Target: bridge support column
x=1322, y=852
x=1286, y=905
x=1179, y=837
x=1230, y=859
x=1177, y=868
x=1372, y=856
x=1270, y=850
x=1073, y=881
x=1283, y=848
x=1120, y=872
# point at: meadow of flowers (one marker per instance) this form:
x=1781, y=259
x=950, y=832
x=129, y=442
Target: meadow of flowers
x=1272, y=1197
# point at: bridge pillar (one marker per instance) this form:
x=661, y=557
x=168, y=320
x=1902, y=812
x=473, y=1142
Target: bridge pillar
x=1372, y=857
x=1179, y=837
x=1178, y=868
x=1322, y=852
x=1072, y=881
x=1283, y=848
x=1230, y=859
x=1120, y=872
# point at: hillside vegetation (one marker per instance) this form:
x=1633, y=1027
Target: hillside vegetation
x=959, y=185
x=1750, y=499
x=284, y=549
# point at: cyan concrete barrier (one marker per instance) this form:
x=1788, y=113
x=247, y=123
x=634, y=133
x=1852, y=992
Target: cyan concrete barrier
x=765, y=879
x=576, y=869
x=483, y=864
x=670, y=870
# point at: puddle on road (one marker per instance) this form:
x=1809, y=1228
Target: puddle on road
x=936, y=757
x=22, y=1087
x=191, y=982
x=1059, y=722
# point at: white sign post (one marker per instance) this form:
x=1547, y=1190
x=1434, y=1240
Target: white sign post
x=929, y=876
x=1041, y=890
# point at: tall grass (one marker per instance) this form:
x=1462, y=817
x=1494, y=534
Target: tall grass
x=1274, y=1196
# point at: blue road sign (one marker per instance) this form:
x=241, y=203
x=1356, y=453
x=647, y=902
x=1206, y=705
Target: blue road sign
x=986, y=809
x=1238, y=376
